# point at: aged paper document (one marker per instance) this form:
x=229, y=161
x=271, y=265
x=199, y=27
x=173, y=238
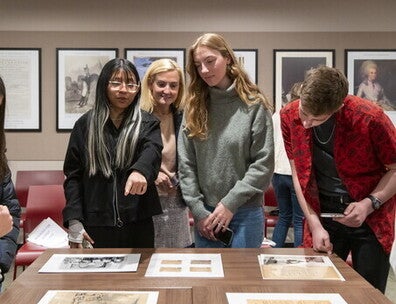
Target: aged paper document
x=284, y=298
x=298, y=267
x=98, y=297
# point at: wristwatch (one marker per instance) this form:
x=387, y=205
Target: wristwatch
x=375, y=202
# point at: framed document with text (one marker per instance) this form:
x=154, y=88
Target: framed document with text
x=20, y=69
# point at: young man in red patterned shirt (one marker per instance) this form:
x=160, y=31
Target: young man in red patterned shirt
x=342, y=150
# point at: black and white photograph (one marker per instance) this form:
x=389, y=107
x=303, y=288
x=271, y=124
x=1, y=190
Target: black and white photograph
x=91, y=263
x=78, y=71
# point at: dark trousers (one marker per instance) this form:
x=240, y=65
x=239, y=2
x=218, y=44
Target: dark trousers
x=368, y=257
x=131, y=235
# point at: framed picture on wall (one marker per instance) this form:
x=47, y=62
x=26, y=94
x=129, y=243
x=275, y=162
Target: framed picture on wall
x=20, y=69
x=77, y=74
x=142, y=58
x=372, y=75
x=290, y=67
x=248, y=59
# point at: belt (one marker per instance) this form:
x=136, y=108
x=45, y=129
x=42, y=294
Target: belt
x=339, y=199
x=334, y=203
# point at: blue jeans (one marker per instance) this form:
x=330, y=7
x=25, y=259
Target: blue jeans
x=247, y=224
x=289, y=211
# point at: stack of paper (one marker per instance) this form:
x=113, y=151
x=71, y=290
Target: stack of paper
x=49, y=234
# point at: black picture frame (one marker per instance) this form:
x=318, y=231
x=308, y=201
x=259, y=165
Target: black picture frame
x=77, y=70
x=20, y=69
x=143, y=57
x=248, y=58
x=290, y=66
x=361, y=65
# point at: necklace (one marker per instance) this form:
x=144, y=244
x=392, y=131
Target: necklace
x=324, y=142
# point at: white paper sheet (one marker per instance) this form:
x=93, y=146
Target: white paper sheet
x=49, y=234
x=286, y=298
x=91, y=263
x=185, y=265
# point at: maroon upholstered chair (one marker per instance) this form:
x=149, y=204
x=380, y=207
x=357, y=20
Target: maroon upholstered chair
x=43, y=201
x=26, y=178
x=269, y=201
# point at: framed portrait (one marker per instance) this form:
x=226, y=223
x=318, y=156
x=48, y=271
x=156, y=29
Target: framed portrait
x=20, y=69
x=77, y=75
x=290, y=67
x=248, y=59
x=142, y=58
x=372, y=75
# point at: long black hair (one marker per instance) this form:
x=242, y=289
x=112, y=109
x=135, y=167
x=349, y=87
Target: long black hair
x=99, y=157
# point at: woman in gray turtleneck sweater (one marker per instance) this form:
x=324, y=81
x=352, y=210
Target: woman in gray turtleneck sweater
x=226, y=149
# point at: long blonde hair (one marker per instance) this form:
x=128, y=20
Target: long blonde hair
x=147, y=101
x=196, y=111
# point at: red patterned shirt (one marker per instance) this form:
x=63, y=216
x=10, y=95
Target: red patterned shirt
x=365, y=141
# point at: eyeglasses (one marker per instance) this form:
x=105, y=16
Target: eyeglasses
x=117, y=85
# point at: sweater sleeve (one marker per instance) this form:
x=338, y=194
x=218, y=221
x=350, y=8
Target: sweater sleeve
x=148, y=161
x=73, y=167
x=188, y=176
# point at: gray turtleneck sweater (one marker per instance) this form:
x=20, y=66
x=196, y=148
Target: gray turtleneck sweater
x=234, y=165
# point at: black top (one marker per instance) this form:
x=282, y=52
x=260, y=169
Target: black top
x=100, y=201
x=327, y=178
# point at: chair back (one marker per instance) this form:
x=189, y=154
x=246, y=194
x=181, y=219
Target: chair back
x=44, y=201
x=269, y=197
x=26, y=178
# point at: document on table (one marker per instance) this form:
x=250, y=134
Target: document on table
x=185, y=265
x=298, y=267
x=284, y=298
x=49, y=234
x=99, y=296
x=91, y=263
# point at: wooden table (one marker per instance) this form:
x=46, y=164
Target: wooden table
x=241, y=272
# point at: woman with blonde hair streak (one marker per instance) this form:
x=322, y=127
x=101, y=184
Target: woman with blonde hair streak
x=226, y=149
x=163, y=95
